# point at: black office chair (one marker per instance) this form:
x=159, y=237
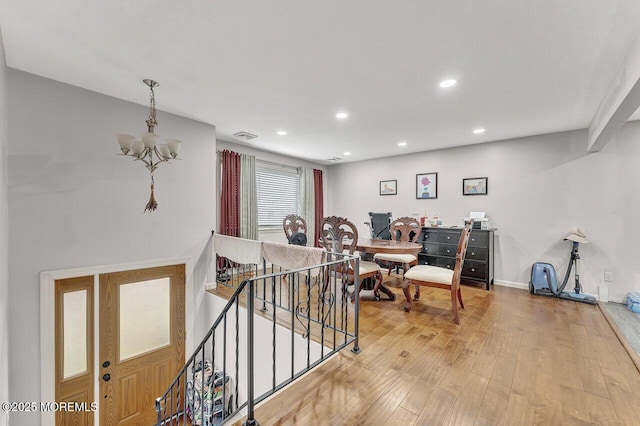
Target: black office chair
x=379, y=225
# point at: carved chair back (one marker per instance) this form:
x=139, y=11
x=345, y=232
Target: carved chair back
x=462, y=251
x=292, y=224
x=338, y=235
x=408, y=228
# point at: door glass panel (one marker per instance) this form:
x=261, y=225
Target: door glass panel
x=75, y=333
x=144, y=317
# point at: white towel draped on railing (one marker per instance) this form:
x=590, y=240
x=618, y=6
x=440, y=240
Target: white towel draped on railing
x=238, y=250
x=291, y=256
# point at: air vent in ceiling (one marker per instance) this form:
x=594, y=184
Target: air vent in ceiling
x=245, y=135
x=334, y=159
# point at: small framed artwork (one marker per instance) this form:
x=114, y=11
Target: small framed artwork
x=388, y=187
x=427, y=186
x=474, y=186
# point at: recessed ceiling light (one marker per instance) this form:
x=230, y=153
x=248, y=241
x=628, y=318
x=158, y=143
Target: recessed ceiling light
x=342, y=115
x=448, y=83
x=403, y=143
x=281, y=132
x=347, y=153
x=478, y=131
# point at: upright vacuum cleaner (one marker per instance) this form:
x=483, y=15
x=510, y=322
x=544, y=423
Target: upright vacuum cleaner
x=543, y=276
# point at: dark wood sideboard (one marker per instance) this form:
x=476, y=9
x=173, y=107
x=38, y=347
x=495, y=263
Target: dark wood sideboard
x=439, y=246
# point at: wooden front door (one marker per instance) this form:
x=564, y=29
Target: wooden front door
x=141, y=341
x=74, y=365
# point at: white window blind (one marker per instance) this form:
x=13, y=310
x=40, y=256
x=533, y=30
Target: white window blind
x=277, y=194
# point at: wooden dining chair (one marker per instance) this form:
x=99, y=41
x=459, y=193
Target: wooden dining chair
x=294, y=224
x=405, y=229
x=433, y=276
x=339, y=235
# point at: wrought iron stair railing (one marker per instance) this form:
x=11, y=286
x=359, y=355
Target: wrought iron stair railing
x=275, y=327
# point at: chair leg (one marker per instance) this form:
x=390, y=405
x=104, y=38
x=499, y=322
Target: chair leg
x=416, y=297
x=407, y=295
x=376, y=287
x=460, y=298
x=454, y=304
x=390, y=268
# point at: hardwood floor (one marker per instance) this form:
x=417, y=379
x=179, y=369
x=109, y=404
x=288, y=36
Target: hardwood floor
x=515, y=359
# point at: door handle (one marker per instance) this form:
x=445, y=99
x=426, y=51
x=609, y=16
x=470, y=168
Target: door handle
x=106, y=377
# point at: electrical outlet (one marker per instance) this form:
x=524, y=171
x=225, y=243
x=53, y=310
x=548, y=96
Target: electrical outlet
x=608, y=276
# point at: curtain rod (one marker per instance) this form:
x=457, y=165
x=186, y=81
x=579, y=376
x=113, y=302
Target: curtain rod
x=284, y=166
x=269, y=162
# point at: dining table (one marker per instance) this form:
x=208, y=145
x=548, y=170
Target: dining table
x=372, y=246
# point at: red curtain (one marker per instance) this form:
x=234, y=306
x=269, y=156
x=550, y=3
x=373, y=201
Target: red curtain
x=230, y=197
x=319, y=200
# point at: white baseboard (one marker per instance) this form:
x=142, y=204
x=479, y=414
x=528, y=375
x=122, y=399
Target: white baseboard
x=511, y=284
x=523, y=286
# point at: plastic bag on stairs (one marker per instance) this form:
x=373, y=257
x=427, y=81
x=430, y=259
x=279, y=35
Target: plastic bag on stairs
x=209, y=395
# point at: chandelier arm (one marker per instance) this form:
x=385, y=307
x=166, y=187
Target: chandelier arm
x=161, y=158
x=151, y=166
x=146, y=162
x=148, y=159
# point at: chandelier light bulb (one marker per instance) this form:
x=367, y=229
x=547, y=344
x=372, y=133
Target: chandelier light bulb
x=174, y=147
x=137, y=147
x=149, y=139
x=164, y=150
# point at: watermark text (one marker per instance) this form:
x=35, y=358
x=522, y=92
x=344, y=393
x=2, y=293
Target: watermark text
x=26, y=406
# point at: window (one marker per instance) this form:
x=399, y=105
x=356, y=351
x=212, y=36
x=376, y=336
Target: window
x=277, y=188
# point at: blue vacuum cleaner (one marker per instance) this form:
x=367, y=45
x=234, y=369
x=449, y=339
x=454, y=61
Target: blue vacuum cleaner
x=543, y=276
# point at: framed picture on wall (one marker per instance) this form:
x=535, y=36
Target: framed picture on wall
x=475, y=186
x=427, y=186
x=388, y=187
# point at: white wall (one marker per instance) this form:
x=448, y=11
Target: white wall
x=4, y=241
x=276, y=235
x=539, y=188
x=74, y=203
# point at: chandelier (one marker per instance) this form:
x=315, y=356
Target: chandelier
x=147, y=149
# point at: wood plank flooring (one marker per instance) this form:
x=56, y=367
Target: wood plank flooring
x=515, y=359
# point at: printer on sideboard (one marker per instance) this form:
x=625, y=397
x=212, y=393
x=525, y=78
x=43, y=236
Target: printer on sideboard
x=480, y=220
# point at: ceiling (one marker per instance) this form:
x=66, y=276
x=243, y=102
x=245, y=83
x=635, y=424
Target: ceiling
x=523, y=67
